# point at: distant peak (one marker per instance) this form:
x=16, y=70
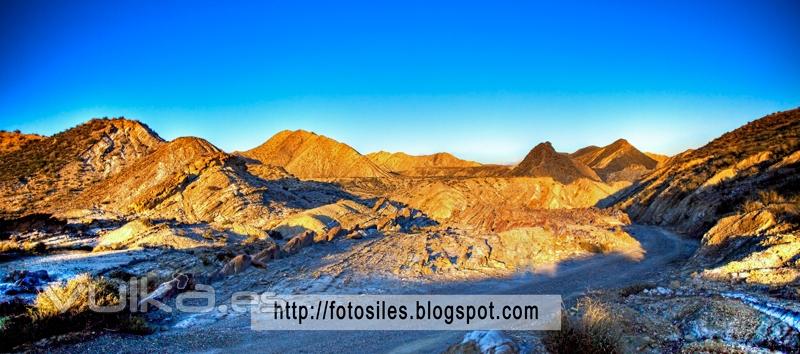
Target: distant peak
x=544, y=146
x=621, y=142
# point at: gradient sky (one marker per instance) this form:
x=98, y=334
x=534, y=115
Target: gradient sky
x=484, y=80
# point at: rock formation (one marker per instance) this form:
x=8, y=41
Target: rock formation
x=544, y=161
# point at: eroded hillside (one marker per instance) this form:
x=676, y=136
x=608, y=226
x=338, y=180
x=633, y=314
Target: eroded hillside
x=618, y=161
x=46, y=170
x=544, y=161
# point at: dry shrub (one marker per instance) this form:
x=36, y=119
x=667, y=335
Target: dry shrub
x=770, y=197
x=73, y=297
x=751, y=206
x=64, y=308
x=10, y=246
x=595, y=331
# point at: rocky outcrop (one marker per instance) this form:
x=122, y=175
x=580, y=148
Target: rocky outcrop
x=618, y=161
x=311, y=156
x=755, y=247
x=544, y=161
x=448, y=254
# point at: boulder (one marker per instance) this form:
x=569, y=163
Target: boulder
x=239, y=263
x=334, y=232
x=267, y=254
x=299, y=242
x=179, y=283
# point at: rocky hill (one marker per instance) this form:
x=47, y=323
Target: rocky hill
x=311, y=156
x=62, y=165
x=544, y=161
x=411, y=165
x=740, y=193
x=13, y=141
x=618, y=161
x=191, y=180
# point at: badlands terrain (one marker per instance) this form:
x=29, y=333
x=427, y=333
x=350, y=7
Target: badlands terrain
x=697, y=252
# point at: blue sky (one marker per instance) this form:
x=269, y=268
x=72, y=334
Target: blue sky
x=485, y=80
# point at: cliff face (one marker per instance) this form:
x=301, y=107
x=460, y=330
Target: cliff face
x=45, y=170
x=544, y=161
x=310, y=156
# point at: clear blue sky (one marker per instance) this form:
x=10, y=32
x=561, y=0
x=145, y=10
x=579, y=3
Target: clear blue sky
x=485, y=80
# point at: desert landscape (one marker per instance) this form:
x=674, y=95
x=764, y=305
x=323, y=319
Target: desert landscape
x=456, y=177
x=696, y=252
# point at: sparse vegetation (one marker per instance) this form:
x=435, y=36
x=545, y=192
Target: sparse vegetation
x=595, y=331
x=25, y=248
x=65, y=308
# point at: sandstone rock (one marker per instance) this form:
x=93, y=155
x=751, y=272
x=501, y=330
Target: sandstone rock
x=334, y=232
x=239, y=263
x=299, y=242
x=267, y=254
x=168, y=289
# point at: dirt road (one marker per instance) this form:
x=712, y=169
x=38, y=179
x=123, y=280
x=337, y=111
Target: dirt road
x=664, y=252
